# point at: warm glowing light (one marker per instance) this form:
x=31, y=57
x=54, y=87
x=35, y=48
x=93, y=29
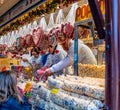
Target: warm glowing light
x=1, y=1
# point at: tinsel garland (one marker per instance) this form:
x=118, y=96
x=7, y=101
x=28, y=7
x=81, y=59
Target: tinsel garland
x=46, y=8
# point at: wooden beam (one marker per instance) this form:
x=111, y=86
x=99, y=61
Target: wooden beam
x=112, y=54
x=98, y=18
x=108, y=75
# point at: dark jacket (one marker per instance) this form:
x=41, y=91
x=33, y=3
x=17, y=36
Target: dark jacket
x=13, y=104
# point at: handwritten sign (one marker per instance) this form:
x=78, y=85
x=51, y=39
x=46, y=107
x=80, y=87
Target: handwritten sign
x=83, y=12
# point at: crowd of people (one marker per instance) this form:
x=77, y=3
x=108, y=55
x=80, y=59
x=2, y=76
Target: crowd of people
x=47, y=54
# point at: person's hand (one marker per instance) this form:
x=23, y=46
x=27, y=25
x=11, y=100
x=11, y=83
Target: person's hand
x=48, y=72
x=25, y=59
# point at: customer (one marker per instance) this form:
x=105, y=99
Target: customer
x=10, y=98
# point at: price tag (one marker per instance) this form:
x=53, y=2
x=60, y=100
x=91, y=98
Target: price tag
x=54, y=91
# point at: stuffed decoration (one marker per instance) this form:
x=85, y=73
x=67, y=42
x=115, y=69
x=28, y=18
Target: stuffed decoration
x=5, y=46
x=22, y=42
x=0, y=46
x=67, y=29
x=44, y=42
x=61, y=37
x=37, y=35
x=29, y=40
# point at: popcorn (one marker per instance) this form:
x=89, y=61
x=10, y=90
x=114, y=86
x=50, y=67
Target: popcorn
x=91, y=70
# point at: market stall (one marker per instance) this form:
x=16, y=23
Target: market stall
x=85, y=88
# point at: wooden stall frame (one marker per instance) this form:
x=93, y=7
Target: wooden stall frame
x=81, y=24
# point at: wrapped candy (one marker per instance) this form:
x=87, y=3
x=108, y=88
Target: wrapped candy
x=95, y=101
x=73, y=103
x=28, y=87
x=42, y=104
x=92, y=91
x=52, y=99
x=87, y=80
x=54, y=83
x=44, y=93
x=80, y=86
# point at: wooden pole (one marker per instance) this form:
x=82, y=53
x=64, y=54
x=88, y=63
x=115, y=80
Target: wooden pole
x=108, y=75
x=97, y=17
x=112, y=88
x=112, y=54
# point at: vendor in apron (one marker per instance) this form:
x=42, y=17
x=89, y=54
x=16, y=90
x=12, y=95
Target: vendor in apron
x=65, y=38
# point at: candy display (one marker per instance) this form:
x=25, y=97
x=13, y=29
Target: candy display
x=68, y=93
x=67, y=101
x=42, y=54
x=91, y=70
x=87, y=80
x=48, y=105
x=78, y=87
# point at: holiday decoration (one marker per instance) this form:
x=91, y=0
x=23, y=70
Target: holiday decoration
x=46, y=8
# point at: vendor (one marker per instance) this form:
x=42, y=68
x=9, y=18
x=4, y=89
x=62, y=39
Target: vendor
x=35, y=56
x=44, y=51
x=57, y=53
x=35, y=59
x=25, y=60
x=65, y=36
